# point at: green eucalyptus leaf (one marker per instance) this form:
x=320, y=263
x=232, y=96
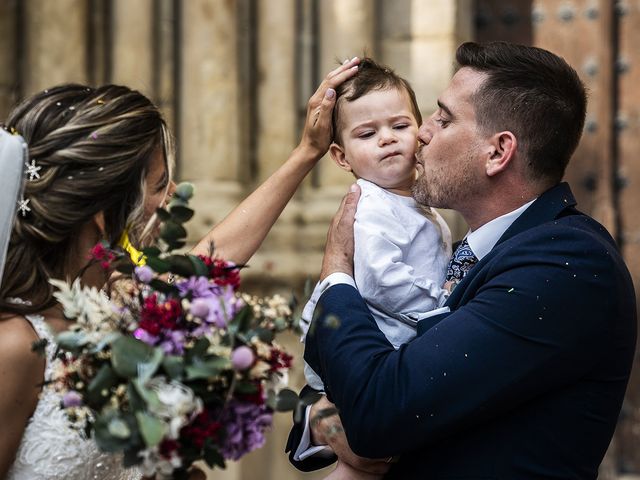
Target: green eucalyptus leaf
x=108, y=339
x=132, y=358
x=124, y=266
x=118, y=428
x=71, y=340
x=158, y=265
x=199, y=266
x=286, y=400
x=148, y=396
x=151, y=428
x=181, y=265
x=163, y=215
x=263, y=334
x=208, y=368
x=164, y=287
x=183, y=191
x=151, y=251
x=103, y=381
x=242, y=320
x=172, y=231
x=199, y=348
x=181, y=214
x=174, y=366
x=175, y=244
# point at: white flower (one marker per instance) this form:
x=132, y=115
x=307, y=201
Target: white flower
x=277, y=381
x=158, y=467
x=177, y=404
x=91, y=309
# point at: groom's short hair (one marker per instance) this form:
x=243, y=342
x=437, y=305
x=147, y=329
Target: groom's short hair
x=371, y=76
x=532, y=93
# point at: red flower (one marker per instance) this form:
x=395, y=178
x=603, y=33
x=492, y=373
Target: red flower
x=279, y=360
x=222, y=272
x=202, y=427
x=102, y=254
x=167, y=447
x=156, y=317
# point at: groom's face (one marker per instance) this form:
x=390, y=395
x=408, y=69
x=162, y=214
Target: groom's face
x=449, y=158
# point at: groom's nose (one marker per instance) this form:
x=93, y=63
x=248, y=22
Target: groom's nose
x=424, y=133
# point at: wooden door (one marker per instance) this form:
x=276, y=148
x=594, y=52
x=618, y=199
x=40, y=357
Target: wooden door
x=600, y=39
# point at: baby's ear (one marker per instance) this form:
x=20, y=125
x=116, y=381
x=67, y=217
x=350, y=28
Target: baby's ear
x=337, y=153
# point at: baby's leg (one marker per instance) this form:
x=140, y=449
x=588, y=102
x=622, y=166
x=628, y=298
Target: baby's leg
x=344, y=471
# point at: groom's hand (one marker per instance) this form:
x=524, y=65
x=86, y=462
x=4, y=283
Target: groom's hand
x=338, y=252
x=329, y=431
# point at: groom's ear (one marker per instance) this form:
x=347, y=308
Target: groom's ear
x=501, y=151
x=337, y=153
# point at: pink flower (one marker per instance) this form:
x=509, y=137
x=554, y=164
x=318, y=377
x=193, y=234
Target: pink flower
x=71, y=399
x=200, y=308
x=242, y=358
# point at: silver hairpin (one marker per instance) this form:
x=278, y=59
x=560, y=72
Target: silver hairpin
x=23, y=206
x=32, y=170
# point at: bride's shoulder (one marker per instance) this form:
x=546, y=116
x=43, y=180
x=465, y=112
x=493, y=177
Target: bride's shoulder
x=17, y=357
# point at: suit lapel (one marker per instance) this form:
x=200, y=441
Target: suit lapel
x=547, y=207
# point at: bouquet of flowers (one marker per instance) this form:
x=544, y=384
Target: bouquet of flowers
x=174, y=366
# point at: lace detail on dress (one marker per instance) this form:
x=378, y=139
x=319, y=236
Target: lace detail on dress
x=50, y=448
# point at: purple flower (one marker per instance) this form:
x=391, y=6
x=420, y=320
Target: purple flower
x=245, y=424
x=144, y=336
x=72, y=399
x=197, y=287
x=144, y=273
x=242, y=358
x=173, y=344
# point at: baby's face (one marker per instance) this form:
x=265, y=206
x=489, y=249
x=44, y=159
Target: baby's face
x=379, y=137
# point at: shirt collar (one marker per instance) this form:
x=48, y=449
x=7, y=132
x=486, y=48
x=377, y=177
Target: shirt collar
x=484, y=238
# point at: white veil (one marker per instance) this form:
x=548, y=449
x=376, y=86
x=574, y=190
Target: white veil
x=13, y=157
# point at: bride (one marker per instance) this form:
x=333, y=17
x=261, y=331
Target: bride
x=96, y=161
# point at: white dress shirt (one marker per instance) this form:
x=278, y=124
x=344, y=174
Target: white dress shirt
x=481, y=242
x=400, y=262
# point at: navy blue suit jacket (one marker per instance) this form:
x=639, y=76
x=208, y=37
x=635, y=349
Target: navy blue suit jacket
x=523, y=379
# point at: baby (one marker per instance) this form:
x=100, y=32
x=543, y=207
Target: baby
x=401, y=249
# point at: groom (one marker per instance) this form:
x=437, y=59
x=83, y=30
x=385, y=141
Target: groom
x=524, y=375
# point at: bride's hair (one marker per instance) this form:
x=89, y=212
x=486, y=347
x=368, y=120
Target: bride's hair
x=94, y=147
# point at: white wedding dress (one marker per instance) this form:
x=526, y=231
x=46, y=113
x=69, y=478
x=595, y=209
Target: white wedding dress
x=50, y=448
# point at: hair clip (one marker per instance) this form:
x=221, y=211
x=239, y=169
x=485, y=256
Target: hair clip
x=23, y=206
x=32, y=170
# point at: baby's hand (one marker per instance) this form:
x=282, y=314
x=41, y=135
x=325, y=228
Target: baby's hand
x=450, y=285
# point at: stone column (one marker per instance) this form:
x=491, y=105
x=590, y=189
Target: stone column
x=276, y=130
x=56, y=44
x=8, y=56
x=347, y=29
x=209, y=109
x=132, y=48
x=438, y=27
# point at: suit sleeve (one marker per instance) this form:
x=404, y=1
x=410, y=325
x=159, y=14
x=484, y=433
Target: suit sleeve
x=533, y=324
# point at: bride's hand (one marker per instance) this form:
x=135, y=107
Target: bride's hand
x=317, y=134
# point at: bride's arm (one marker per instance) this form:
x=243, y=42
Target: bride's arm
x=238, y=236
x=21, y=375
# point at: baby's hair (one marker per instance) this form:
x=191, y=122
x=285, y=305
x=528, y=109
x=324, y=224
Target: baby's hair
x=371, y=76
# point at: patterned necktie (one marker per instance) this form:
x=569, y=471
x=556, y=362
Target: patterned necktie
x=462, y=261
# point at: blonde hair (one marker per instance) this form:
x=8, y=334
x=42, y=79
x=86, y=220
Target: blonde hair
x=94, y=146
